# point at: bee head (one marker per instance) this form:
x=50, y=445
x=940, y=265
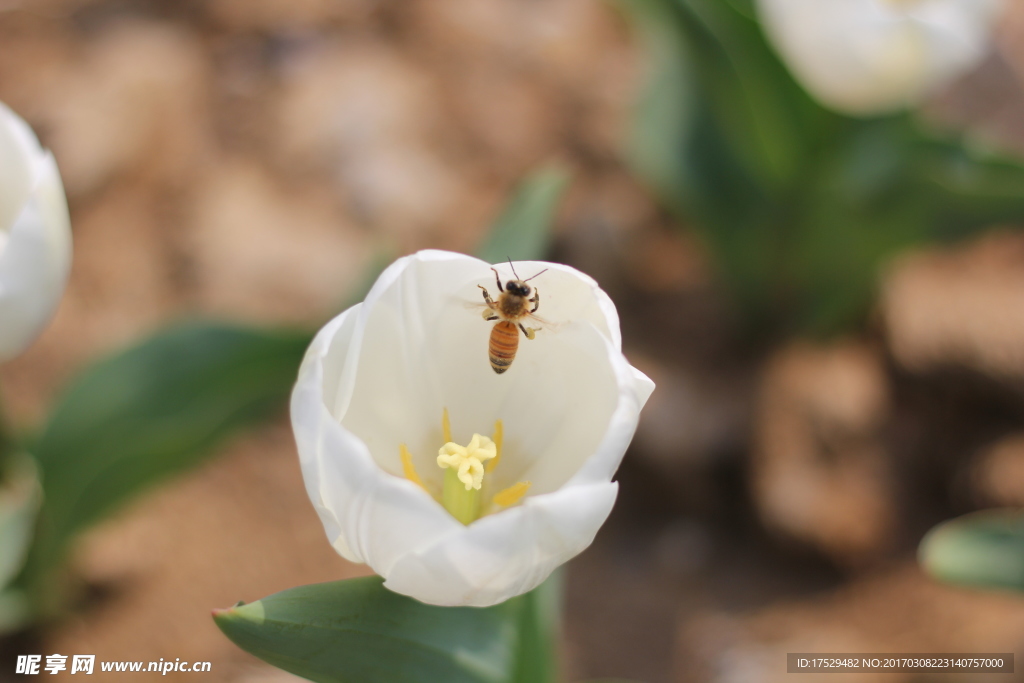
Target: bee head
x=518, y=287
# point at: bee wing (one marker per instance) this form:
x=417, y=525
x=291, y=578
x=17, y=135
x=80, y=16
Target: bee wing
x=543, y=322
x=480, y=308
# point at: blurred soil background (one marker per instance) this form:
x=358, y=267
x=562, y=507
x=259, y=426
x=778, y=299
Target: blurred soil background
x=250, y=159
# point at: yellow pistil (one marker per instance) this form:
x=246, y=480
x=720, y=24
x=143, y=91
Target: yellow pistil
x=408, y=468
x=460, y=493
x=512, y=495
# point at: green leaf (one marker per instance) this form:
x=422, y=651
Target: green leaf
x=984, y=549
x=152, y=411
x=971, y=189
x=522, y=231
x=676, y=142
x=539, y=632
x=728, y=141
x=357, y=631
x=769, y=121
x=718, y=102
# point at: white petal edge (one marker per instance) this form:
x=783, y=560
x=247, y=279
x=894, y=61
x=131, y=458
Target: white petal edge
x=507, y=554
x=35, y=262
x=20, y=156
x=370, y=516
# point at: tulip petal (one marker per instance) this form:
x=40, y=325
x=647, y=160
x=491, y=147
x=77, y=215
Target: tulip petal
x=35, y=262
x=507, y=554
x=370, y=516
x=18, y=154
x=634, y=390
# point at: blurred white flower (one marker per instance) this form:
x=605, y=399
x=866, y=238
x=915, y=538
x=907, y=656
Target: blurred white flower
x=868, y=57
x=35, y=236
x=371, y=416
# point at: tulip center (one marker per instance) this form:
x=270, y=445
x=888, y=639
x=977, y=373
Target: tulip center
x=461, y=492
x=467, y=462
x=464, y=476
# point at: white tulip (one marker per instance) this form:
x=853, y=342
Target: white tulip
x=35, y=235
x=867, y=57
x=371, y=416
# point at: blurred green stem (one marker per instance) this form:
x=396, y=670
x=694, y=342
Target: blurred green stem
x=6, y=443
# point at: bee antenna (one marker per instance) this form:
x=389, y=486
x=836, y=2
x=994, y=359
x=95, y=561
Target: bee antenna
x=512, y=267
x=533, y=276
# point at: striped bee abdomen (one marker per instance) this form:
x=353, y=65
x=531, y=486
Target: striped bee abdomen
x=501, y=349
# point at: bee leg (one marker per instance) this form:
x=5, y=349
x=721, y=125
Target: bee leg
x=498, y=280
x=528, y=331
x=488, y=313
x=535, y=300
x=487, y=297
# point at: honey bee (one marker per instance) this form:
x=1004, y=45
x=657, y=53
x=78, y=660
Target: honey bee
x=511, y=308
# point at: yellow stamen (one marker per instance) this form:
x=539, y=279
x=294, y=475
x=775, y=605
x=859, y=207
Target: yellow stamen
x=408, y=468
x=465, y=467
x=512, y=495
x=499, y=435
x=468, y=461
